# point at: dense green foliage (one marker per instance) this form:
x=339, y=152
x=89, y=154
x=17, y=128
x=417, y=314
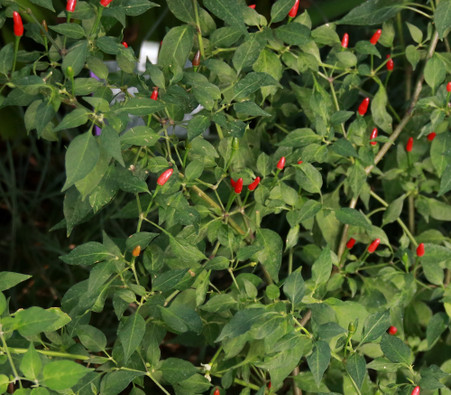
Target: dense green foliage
x=189, y=284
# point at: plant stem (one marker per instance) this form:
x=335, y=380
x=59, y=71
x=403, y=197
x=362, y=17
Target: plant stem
x=10, y=359
x=198, y=29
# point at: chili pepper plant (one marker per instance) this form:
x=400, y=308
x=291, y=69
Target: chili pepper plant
x=277, y=220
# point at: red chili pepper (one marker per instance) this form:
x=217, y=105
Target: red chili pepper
x=18, y=24
x=431, y=136
x=300, y=161
x=416, y=391
x=420, y=250
x=345, y=40
x=281, y=163
x=196, y=59
x=105, y=2
x=376, y=37
x=239, y=185
x=124, y=43
x=363, y=108
x=392, y=330
x=350, y=243
x=136, y=251
x=232, y=182
x=409, y=144
x=154, y=95
x=390, y=64
x=252, y=6
x=373, y=136
x=216, y=392
x=254, y=184
x=269, y=385
x=70, y=5
x=448, y=87
x=294, y=10
x=372, y=247
x=164, y=177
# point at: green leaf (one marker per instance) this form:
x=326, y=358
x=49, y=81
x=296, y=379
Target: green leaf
x=81, y=157
x=167, y=281
x=293, y=34
x=280, y=9
x=300, y=138
x=44, y=114
x=130, y=333
x=137, y=7
x=240, y=323
x=70, y=30
x=140, y=106
x=351, y=216
x=92, y=338
x=76, y=210
x=434, y=72
x=270, y=254
x=141, y=136
x=344, y=148
x=375, y=326
x=194, y=170
x=44, y=3
x=175, y=370
x=442, y=18
x=322, y=267
x=379, y=110
x=308, y=210
x=4, y=383
x=176, y=46
x=248, y=52
x=372, y=12
x=250, y=83
x=413, y=55
x=441, y=152
x=182, y=10
x=229, y=11
x=436, y=326
x=31, y=364
x=111, y=143
x=393, y=211
x=318, y=360
x=197, y=125
x=250, y=108
x=309, y=178
x=34, y=320
x=11, y=279
x=220, y=302
x=87, y=254
x=180, y=318
x=225, y=37
x=60, y=375
x=6, y=58
x=396, y=350
x=445, y=182
x=74, y=119
x=356, y=367
x=109, y=45
x=294, y=287
x=76, y=57
x=415, y=32
x=185, y=251
x=115, y=382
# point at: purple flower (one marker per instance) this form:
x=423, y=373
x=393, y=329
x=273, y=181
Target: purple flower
x=92, y=75
x=97, y=130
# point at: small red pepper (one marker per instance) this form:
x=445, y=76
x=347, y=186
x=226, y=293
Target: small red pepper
x=372, y=247
x=431, y=136
x=232, y=182
x=300, y=161
x=390, y=64
x=70, y=5
x=373, y=136
x=376, y=37
x=136, y=251
x=294, y=10
x=363, y=108
x=18, y=24
x=345, y=40
x=252, y=6
x=409, y=144
x=164, y=177
x=239, y=185
x=281, y=163
x=392, y=330
x=350, y=243
x=416, y=391
x=269, y=385
x=154, y=95
x=448, y=87
x=105, y=2
x=216, y=392
x=420, y=250
x=124, y=43
x=254, y=184
x=196, y=60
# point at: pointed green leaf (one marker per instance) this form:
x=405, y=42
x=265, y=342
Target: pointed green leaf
x=130, y=333
x=396, y=350
x=31, y=363
x=356, y=367
x=60, y=375
x=318, y=360
x=375, y=326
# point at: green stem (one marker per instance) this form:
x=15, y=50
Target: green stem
x=16, y=49
x=96, y=24
x=199, y=31
x=11, y=362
